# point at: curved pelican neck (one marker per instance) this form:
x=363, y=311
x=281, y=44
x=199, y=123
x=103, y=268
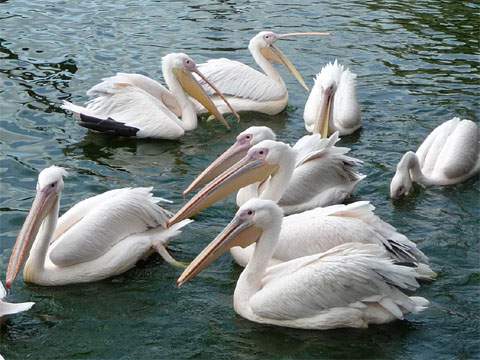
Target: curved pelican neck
x=410, y=163
x=265, y=65
x=275, y=187
x=251, y=277
x=38, y=253
x=189, y=116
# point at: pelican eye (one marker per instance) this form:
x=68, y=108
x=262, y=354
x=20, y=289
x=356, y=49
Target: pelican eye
x=52, y=185
x=250, y=212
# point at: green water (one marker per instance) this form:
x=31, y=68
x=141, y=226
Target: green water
x=417, y=66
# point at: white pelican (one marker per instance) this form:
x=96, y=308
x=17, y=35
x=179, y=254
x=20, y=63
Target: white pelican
x=332, y=104
x=248, y=89
x=323, y=174
x=135, y=105
x=309, y=232
x=449, y=155
x=352, y=285
x=7, y=308
x=99, y=237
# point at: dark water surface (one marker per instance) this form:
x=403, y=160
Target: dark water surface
x=417, y=66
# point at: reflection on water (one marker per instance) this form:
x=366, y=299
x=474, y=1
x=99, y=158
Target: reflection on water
x=417, y=66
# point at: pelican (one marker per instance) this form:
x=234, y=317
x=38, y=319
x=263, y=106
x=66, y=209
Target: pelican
x=332, y=104
x=7, y=308
x=248, y=89
x=99, y=237
x=310, y=232
x=449, y=155
x=352, y=285
x=137, y=106
x=323, y=174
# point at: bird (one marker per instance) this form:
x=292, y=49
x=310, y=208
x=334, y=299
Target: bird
x=248, y=89
x=323, y=174
x=133, y=105
x=449, y=155
x=332, y=104
x=7, y=308
x=351, y=285
x=99, y=237
x=309, y=232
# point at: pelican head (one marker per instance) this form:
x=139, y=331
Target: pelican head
x=260, y=163
x=401, y=183
x=249, y=223
x=264, y=41
x=181, y=66
x=319, y=107
x=245, y=140
x=49, y=188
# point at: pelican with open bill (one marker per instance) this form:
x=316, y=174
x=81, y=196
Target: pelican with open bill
x=248, y=89
x=135, y=105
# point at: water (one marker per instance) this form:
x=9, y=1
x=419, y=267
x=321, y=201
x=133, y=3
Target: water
x=417, y=66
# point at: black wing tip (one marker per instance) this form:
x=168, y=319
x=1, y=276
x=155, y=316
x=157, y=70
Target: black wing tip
x=107, y=126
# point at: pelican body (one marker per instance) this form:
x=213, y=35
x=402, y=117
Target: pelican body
x=323, y=175
x=449, y=155
x=352, y=285
x=134, y=105
x=332, y=105
x=99, y=237
x=248, y=89
x=272, y=164
x=7, y=308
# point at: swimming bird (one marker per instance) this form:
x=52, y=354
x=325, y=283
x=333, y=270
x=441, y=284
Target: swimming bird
x=248, y=89
x=351, y=285
x=272, y=163
x=323, y=174
x=99, y=237
x=7, y=308
x=449, y=155
x=332, y=105
x=134, y=105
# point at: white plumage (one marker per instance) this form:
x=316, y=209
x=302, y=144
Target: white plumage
x=332, y=103
x=235, y=79
x=352, y=285
x=321, y=229
x=97, y=238
x=449, y=155
x=135, y=105
x=248, y=89
x=323, y=175
x=7, y=308
x=272, y=164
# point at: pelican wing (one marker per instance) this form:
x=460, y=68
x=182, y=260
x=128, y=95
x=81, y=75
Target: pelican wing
x=339, y=224
x=460, y=153
x=342, y=277
x=128, y=109
x=236, y=79
x=154, y=88
x=10, y=308
x=346, y=108
x=95, y=225
x=309, y=144
x=333, y=171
